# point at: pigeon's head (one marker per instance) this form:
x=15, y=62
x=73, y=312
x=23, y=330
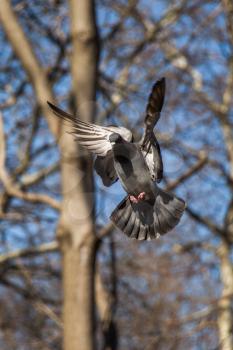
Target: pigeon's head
x=115, y=138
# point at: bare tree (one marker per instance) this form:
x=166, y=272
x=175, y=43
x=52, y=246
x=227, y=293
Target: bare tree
x=77, y=240
x=172, y=293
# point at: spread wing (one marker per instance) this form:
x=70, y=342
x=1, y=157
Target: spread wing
x=149, y=144
x=153, y=109
x=105, y=168
x=154, y=160
x=93, y=137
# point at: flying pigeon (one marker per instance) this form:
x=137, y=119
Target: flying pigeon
x=147, y=211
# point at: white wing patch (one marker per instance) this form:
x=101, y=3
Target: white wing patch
x=149, y=158
x=93, y=137
x=96, y=138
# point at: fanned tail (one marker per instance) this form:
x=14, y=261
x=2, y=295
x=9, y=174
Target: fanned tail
x=144, y=221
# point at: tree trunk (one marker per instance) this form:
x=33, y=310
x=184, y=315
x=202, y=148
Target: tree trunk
x=76, y=229
x=106, y=302
x=225, y=310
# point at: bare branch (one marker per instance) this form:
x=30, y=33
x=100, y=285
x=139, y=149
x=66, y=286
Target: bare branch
x=31, y=65
x=12, y=189
x=205, y=221
x=191, y=171
x=31, y=179
x=28, y=252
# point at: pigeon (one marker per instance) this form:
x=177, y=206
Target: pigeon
x=147, y=211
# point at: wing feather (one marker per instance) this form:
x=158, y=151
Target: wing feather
x=149, y=144
x=154, y=160
x=155, y=104
x=93, y=137
x=153, y=109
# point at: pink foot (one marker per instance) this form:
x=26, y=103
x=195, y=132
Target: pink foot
x=141, y=196
x=133, y=199
x=138, y=198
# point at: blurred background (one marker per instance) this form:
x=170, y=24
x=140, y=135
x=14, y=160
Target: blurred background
x=68, y=278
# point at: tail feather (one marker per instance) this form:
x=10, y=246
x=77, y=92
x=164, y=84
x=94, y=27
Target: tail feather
x=135, y=228
x=144, y=221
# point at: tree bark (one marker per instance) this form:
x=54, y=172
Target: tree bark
x=77, y=231
x=107, y=301
x=225, y=313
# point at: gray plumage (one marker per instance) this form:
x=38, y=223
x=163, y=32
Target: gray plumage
x=104, y=166
x=158, y=213
x=146, y=221
x=147, y=211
